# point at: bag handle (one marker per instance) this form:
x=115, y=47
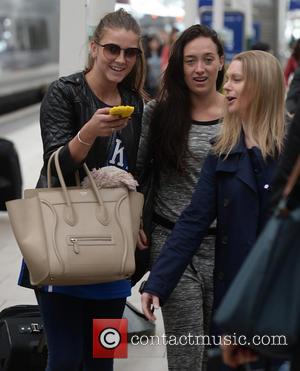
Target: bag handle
x=292, y=179
x=49, y=183
x=69, y=213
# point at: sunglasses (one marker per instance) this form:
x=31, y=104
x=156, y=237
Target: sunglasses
x=112, y=51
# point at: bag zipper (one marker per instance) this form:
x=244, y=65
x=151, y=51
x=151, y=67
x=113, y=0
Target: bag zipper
x=88, y=241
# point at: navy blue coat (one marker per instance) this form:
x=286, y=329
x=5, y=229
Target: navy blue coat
x=227, y=190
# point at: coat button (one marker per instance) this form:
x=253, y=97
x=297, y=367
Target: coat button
x=226, y=202
x=225, y=240
x=220, y=276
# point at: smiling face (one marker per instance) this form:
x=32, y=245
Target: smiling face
x=201, y=64
x=238, y=102
x=114, y=70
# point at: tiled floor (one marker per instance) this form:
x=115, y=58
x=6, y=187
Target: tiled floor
x=23, y=129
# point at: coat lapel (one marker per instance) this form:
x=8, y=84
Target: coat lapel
x=239, y=162
x=245, y=172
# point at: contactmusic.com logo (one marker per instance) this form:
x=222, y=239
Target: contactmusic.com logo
x=110, y=338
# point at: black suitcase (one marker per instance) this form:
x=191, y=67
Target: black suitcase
x=10, y=173
x=22, y=345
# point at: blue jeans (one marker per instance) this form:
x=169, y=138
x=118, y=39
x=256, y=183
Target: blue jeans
x=68, y=326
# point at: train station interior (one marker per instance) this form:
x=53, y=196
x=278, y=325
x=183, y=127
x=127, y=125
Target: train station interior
x=42, y=40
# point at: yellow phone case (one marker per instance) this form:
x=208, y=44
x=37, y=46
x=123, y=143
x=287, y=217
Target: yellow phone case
x=123, y=111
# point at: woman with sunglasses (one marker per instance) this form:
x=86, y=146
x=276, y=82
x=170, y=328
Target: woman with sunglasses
x=176, y=133
x=75, y=114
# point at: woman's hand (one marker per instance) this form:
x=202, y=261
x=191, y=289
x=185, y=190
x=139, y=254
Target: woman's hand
x=149, y=303
x=142, y=241
x=102, y=124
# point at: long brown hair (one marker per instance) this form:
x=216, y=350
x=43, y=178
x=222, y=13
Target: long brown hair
x=171, y=120
x=264, y=82
x=121, y=19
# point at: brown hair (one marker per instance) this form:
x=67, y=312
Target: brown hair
x=171, y=120
x=122, y=19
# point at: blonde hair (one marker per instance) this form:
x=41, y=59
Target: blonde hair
x=264, y=85
x=115, y=20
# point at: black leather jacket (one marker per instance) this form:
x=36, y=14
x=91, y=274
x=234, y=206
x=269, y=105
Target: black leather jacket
x=67, y=106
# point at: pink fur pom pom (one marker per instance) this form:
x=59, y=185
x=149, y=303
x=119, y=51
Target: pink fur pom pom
x=111, y=177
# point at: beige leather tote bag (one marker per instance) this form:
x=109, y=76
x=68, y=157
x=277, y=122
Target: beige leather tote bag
x=71, y=236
